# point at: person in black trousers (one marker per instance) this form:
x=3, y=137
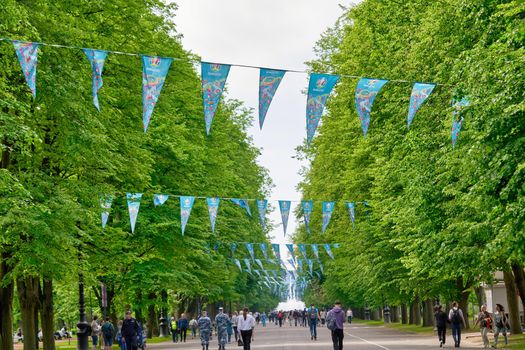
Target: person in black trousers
x=441, y=324
x=130, y=331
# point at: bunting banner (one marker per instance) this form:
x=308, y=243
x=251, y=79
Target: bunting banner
x=300, y=264
x=322, y=268
x=284, y=206
x=307, y=210
x=365, y=94
x=264, y=249
x=213, y=79
x=243, y=203
x=269, y=80
x=27, y=54
x=154, y=71
x=96, y=59
x=249, y=248
x=133, y=208
x=329, y=251
x=238, y=263
x=233, y=247
x=291, y=250
x=259, y=262
x=351, y=211
x=302, y=249
x=262, y=206
x=213, y=208
x=277, y=251
x=310, y=265
x=319, y=88
x=105, y=204
x=457, y=121
x=247, y=263
x=274, y=274
x=336, y=245
x=292, y=263
x=186, y=203
x=420, y=92
x=159, y=199
x=315, y=250
x=257, y=273
x=328, y=208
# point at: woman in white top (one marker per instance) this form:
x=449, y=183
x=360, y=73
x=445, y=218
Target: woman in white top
x=245, y=325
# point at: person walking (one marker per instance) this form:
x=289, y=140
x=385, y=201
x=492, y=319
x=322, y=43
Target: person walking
x=335, y=323
x=182, y=326
x=313, y=317
x=120, y=342
x=173, y=329
x=349, y=315
x=304, y=316
x=234, y=325
x=229, y=329
x=280, y=316
x=455, y=316
x=246, y=324
x=204, y=324
x=485, y=324
x=500, y=325
x=95, y=332
x=323, y=317
x=222, y=320
x=264, y=318
x=130, y=332
x=193, y=327
x=108, y=331
x=295, y=316
x=441, y=324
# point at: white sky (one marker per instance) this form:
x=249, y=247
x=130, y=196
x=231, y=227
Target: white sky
x=267, y=33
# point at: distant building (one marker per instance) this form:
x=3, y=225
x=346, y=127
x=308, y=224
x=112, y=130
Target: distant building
x=496, y=293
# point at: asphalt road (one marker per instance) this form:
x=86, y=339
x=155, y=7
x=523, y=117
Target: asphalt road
x=358, y=337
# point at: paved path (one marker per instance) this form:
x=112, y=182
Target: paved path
x=358, y=337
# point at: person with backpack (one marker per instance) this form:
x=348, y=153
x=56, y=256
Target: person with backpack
x=182, y=326
x=280, y=316
x=500, y=323
x=457, y=320
x=485, y=324
x=313, y=317
x=95, y=332
x=108, y=331
x=173, y=329
x=441, y=324
x=335, y=323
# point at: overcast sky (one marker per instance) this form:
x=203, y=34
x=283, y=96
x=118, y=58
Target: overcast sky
x=269, y=33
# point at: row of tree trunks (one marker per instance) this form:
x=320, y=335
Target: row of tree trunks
x=404, y=314
x=415, y=313
x=29, y=298
x=428, y=313
x=512, y=302
x=6, y=306
x=47, y=315
x=394, y=314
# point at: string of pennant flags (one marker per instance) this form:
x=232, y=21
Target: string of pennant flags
x=187, y=202
x=214, y=76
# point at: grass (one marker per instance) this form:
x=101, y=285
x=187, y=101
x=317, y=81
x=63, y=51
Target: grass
x=407, y=328
x=516, y=341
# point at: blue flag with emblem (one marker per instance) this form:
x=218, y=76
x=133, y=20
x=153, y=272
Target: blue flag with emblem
x=284, y=206
x=269, y=80
x=105, y=204
x=154, y=71
x=96, y=59
x=315, y=250
x=264, y=250
x=259, y=262
x=329, y=251
x=233, y=247
x=249, y=248
x=27, y=54
x=133, y=208
x=300, y=264
x=457, y=120
x=213, y=208
x=262, y=206
x=307, y=211
x=351, y=211
x=420, y=92
x=290, y=249
x=302, y=249
x=277, y=251
x=247, y=263
x=186, y=204
x=243, y=203
x=365, y=94
x=238, y=263
x=310, y=265
x=319, y=88
x=213, y=79
x=328, y=208
x=159, y=199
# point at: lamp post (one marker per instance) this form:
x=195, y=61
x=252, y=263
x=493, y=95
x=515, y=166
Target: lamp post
x=82, y=325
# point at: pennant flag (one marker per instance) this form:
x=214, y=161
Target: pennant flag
x=133, y=208
x=274, y=274
x=257, y=272
x=329, y=251
x=264, y=249
x=277, y=251
x=310, y=265
x=457, y=122
x=365, y=94
x=315, y=250
x=307, y=210
x=271, y=261
x=213, y=79
x=284, y=206
x=328, y=208
x=302, y=249
x=319, y=89
x=159, y=199
x=262, y=206
x=186, y=203
x=318, y=274
x=259, y=262
x=290, y=249
x=27, y=54
x=96, y=59
x=351, y=211
x=154, y=71
x=216, y=246
x=247, y=263
x=322, y=268
x=300, y=264
x=105, y=204
x=249, y=247
x=238, y=263
x=233, y=247
x=243, y=203
x=337, y=245
x=420, y=92
x=269, y=80
x=213, y=207
x=292, y=263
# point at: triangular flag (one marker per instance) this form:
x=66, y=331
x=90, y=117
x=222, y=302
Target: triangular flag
x=319, y=88
x=310, y=265
x=259, y=262
x=96, y=59
x=328, y=208
x=322, y=268
x=264, y=249
x=133, y=208
x=302, y=249
x=277, y=251
x=284, y=206
x=315, y=250
x=457, y=121
x=262, y=206
x=159, y=199
x=351, y=211
x=213, y=208
x=329, y=251
x=154, y=71
x=420, y=92
x=247, y=263
x=365, y=94
x=243, y=203
x=249, y=247
x=233, y=247
x=307, y=210
x=300, y=264
x=186, y=203
x=257, y=272
x=238, y=263
x=292, y=263
x=105, y=204
x=269, y=80
x=213, y=79
x=290, y=249
x=336, y=245
x=27, y=54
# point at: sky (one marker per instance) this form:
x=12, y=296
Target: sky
x=274, y=34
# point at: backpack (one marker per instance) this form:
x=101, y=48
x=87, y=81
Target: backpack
x=330, y=321
x=313, y=314
x=107, y=329
x=456, y=318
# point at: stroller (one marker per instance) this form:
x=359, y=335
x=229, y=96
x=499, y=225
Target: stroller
x=141, y=340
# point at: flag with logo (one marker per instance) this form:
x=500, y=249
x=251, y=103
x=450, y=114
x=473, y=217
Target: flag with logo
x=264, y=249
x=243, y=203
x=277, y=251
x=351, y=211
x=159, y=199
x=284, y=206
x=213, y=79
x=307, y=211
x=186, y=204
x=302, y=249
x=259, y=262
x=249, y=248
x=133, y=208
x=328, y=208
x=238, y=263
x=420, y=92
x=319, y=88
x=262, y=206
x=154, y=71
x=329, y=251
x=27, y=54
x=105, y=204
x=290, y=249
x=96, y=59
x=269, y=80
x=310, y=265
x=365, y=94
x=233, y=247
x=315, y=250
x=457, y=120
x=248, y=266
x=213, y=208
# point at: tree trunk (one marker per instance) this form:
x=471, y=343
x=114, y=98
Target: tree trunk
x=394, y=314
x=428, y=313
x=29, y=301
x=47, y=315
x=519, y=276
x=463, y=301
x=6, y=306
x=480, y=295
x=404, y=314
x=152, y=316
x=415, y=313
x=512, y=302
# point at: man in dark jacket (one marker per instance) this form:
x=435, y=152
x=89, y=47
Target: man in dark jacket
x=183, y=327
x=441, y=324
x=335, y=322
x=130, y=332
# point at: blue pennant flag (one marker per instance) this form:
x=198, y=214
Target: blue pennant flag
x=259, y=262
x=329, y=251
x=274, y=273
x=302, y=249
x=277, y=251
x=257, y=272
x=186, y=203
x=337, y=245
x=233, y=247
x=133, y=208
x=307, y=210
x=457, y=121
x=105, y=204
x=264, y=249
x=159, y=199
x=322, y=268
x=300, y=264
x=315, y=250
x=154, y=71
x=284, y=206
x=262, y=206
x=290, y=249
x=292, y=263
x=238, y=263
x=27, y=54
x=249, y=247
x=247, y=263
x=213, y=79
x=365, y=94
x=243, y=203
x=420, y=92
x=310, y=265
x=213, y=208
x=96, y=59
x=269, y=81
x=351, y=211
x=328, y=208
x=319, y=88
